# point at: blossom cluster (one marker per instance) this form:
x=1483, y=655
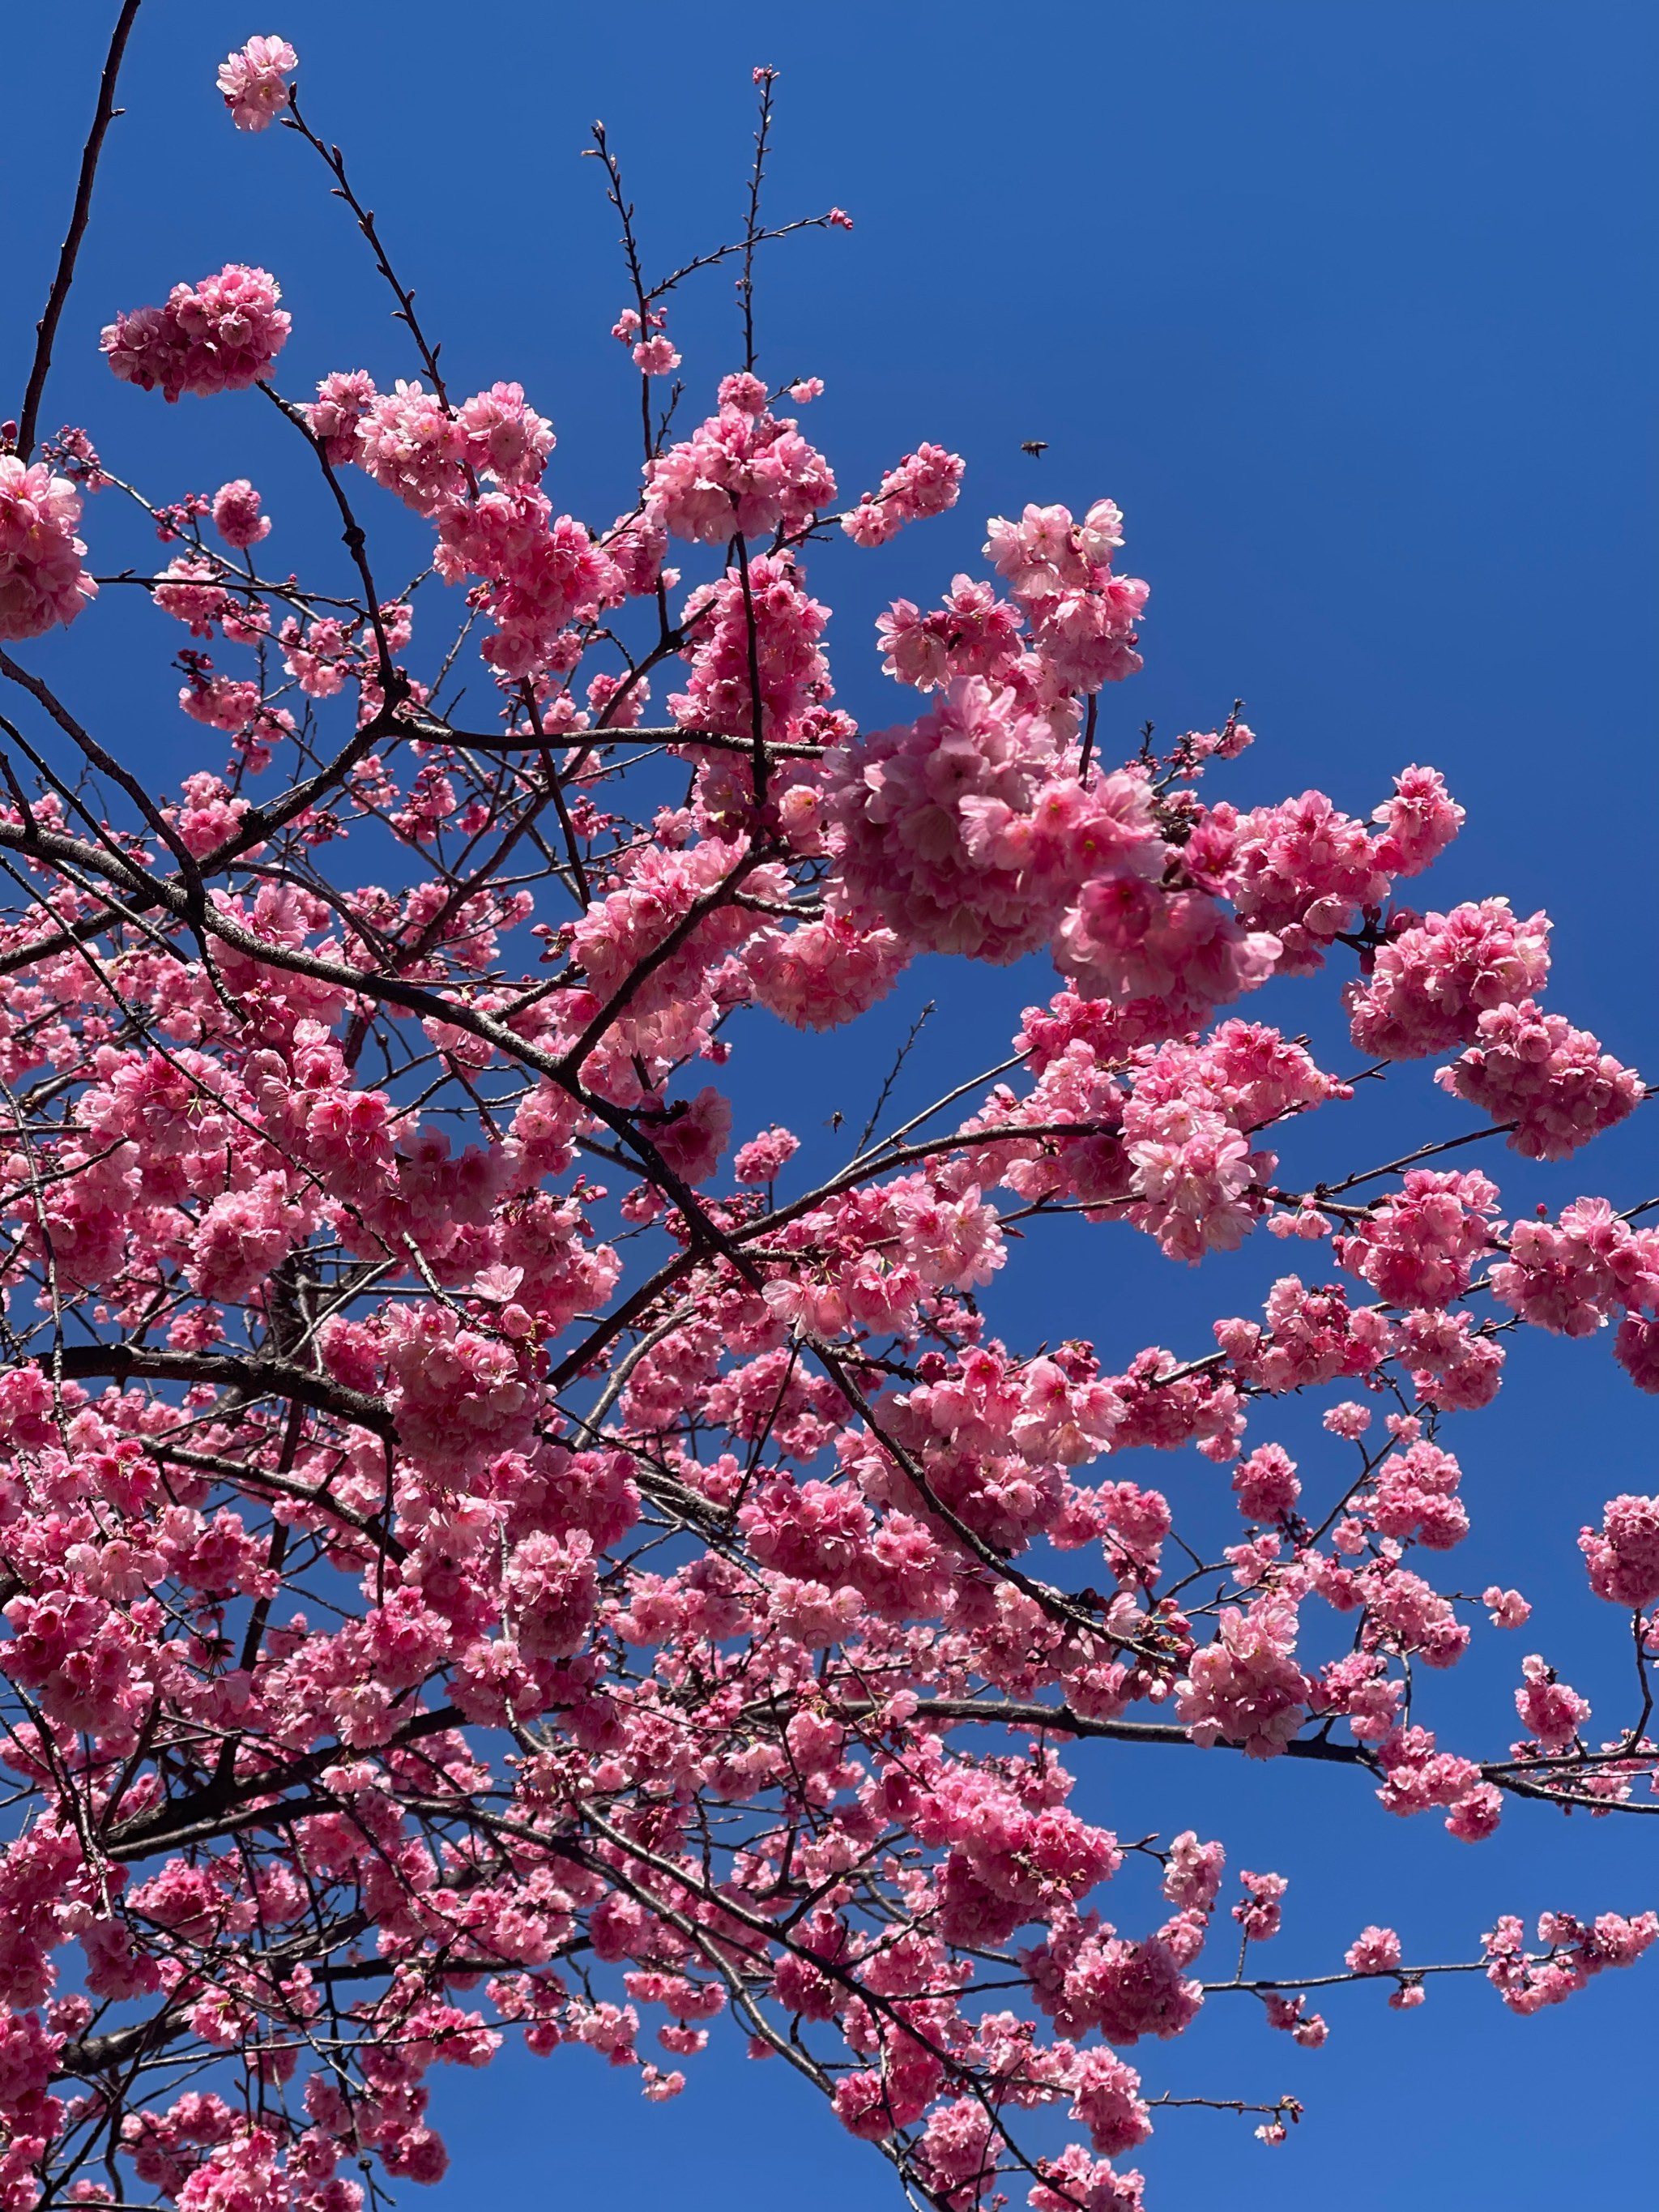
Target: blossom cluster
x=42, y=582
x=220, y=335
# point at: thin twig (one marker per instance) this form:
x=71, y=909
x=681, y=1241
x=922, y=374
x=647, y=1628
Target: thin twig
x=46, y=328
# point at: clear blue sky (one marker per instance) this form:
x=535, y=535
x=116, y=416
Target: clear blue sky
x=1352, y=309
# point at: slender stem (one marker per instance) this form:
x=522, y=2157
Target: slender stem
x=751, y=229
x=757, y=710
x=404, y=311
x=893, y=1073
x=1088, y=737
x=46, y=328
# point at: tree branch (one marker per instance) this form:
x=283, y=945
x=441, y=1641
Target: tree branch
x=46, y=328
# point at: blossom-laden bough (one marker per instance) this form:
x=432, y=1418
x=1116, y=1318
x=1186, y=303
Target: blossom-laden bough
x=446, y=1602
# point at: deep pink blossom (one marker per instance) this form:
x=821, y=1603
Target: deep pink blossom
x=1260, y=1916
x=406, y=439
x=1374, y=1951
x=1266, y=1483
x=1419, y=1247
x=1568, y=1276
x=253, y=80
x=821, y=974
x=966, y=832
x=236, y=515
x=1549, y=1709
x=1306, y=872
x=792, y=671
x=41, y=579
x=1418, y=823
x=1508, y=1608
x=1082, y=615
x=743, y=471
x=220, y=335
x=343, y=401
x=539, y=571
x=1432, y=981
x=974, y=634
x=1623, y=1556
x=506, y=439
x=924, y=483
x=1552, y=1081
x=1245, y=1688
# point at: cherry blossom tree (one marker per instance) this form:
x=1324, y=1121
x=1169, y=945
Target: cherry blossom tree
x=491, y=1550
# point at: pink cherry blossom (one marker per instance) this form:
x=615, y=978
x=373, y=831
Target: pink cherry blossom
x=1306, y=872
x=344, y=399
x=924, y=483
x=1433, y=980
x=1623, y=1556
x=1374, y=1951
x=821, y=974
x=1245, y=1687
x=743, y=471
x=1569, y=1276
x=974, y=634
x=764, y=1157
x=1553, y=1081
x=1418, y=823
x=1548, y=1709
x=236, y=515
x=1509, y=1609
x=406, y=439
x=540, y=571
x=963, y=833
x=253, y=81
x=793, y=670
x=1418, y=1247
x=506, y=439
x=41, y=579
x=220, y=335
x=1259, y=1914
x=1265, y=1485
